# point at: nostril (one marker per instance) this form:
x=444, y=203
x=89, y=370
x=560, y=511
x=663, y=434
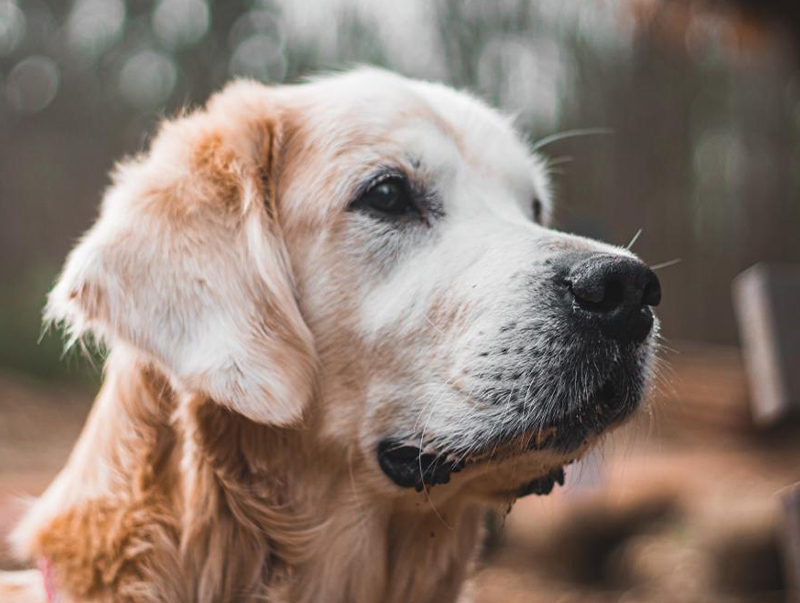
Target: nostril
x=652, y=290
x=615, y=294
x=598, y=294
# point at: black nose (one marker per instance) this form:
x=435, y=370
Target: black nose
x=617, y=293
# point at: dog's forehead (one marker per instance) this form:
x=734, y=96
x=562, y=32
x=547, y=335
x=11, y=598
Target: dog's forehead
x=355, y=122
x=485, y=137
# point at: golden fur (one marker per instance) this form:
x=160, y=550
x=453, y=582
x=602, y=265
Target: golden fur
x=169, y=499
x=230, y=452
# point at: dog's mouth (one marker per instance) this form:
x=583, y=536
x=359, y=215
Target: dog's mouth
x=410, y=466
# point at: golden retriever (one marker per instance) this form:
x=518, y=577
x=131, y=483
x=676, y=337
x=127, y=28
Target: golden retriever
x=339, y=328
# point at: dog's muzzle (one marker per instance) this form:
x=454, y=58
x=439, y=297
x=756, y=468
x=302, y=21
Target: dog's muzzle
x=607, y=300
x=585, y=372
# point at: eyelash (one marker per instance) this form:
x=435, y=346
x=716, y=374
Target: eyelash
x=375, y=180
x=422, y=202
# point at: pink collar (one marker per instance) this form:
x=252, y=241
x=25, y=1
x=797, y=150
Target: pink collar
x=48, y=578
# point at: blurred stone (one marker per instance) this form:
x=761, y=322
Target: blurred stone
x=766, y=298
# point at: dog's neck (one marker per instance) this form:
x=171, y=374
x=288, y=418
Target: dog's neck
x=197, y=503
x=312, y=533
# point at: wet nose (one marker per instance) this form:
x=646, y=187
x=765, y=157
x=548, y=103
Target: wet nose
x=617, y=292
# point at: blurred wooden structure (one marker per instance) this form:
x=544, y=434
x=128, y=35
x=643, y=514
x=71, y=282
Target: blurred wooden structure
x=766, y=299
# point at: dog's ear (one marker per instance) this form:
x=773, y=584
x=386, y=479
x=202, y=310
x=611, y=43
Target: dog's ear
x=187, y=263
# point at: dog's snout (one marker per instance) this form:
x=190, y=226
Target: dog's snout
x=617, y=292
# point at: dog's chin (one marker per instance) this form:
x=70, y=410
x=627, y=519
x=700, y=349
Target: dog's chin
x=515, y=475
x=540, y=451
x=610, y=404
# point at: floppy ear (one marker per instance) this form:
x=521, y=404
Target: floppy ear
x=187, y=262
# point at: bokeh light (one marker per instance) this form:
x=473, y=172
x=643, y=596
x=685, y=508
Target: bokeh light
x=181, y=23
x=93, y=26
x=529, y=77
x=32, y=84
x=147, y=79
x=12, y=26
x=259, y=56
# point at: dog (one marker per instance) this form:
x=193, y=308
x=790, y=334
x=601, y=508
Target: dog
x=339, y=328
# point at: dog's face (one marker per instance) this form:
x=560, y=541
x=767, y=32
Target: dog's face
x=370, y=255
x=453, y=327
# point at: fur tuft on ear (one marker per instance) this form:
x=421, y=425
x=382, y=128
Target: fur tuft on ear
x=187, y=262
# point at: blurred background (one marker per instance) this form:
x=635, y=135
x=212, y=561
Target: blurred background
x=703, y=99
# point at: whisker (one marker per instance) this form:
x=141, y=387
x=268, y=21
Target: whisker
x=437, y=396
x=543, y=142
x=665, y=264
x=634, y=239
x=669, y=349
x=560, y=160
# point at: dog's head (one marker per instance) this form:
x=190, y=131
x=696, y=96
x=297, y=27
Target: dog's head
x=370, y=256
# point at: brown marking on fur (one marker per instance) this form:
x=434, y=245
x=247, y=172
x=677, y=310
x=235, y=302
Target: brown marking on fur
x=445, y=314
x=129, y=549
x=218, y=164
x=272, y=152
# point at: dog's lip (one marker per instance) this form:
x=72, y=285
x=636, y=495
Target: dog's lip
x=409, y=466
x=543, y=485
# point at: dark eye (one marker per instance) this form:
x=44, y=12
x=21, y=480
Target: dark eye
x=537, y=211
x=389, y=198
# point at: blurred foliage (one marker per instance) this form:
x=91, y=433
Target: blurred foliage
x=26, y=345
x=705, y=108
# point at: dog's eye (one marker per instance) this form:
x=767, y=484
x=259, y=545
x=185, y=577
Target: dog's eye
x=389, y=198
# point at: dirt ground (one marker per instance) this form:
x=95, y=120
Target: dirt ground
x=683, y=505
